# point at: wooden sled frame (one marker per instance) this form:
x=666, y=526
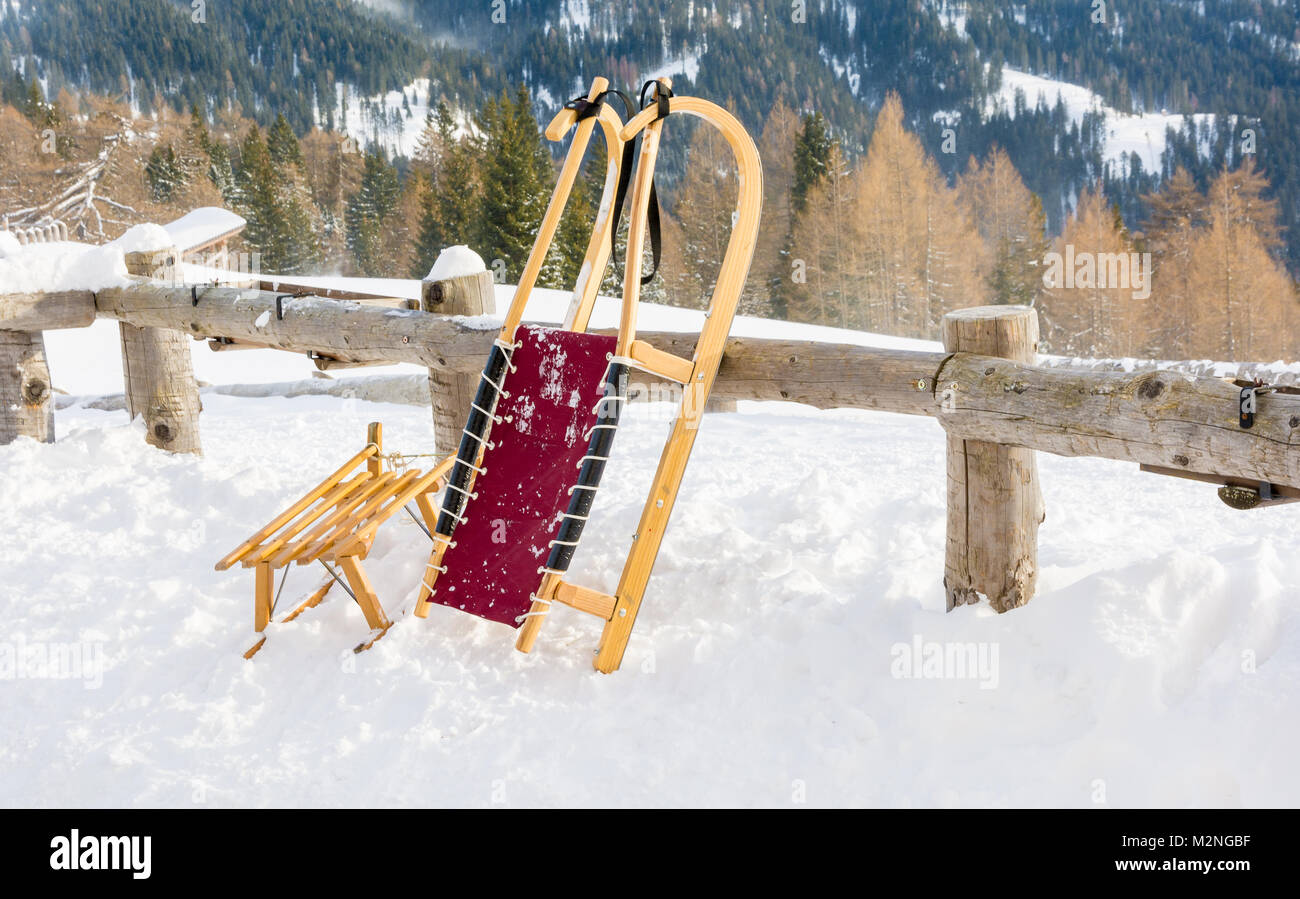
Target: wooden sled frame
x=336, y=521
x=696, y=375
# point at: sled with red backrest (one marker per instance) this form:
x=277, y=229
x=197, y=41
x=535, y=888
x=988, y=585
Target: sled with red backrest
x=542, y=428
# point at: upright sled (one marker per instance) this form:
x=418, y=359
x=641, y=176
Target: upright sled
x=520, y=489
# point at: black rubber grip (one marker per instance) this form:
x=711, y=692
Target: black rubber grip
x=453, y=501
x=602, y=440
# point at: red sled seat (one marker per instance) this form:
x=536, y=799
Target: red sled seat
x=535, y=449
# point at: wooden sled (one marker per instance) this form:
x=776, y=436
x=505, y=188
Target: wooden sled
x=543, y=422
x=335, y=524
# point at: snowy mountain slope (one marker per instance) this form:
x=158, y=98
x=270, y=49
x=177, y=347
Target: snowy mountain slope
x=805, y=558
x=1143, y=134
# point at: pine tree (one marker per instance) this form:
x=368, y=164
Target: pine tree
x=915, y=240
x=826, y=277
x=282, y=144
x=165, y=173
x=1177, y=213
x=272, y=195
x=450, y=203
x=1089, y=318
x=811, y=156
x=298, y=245
x=429, y=236
x=1244, y=298
x=369, y=211
x=254, y=194
x=515, y=175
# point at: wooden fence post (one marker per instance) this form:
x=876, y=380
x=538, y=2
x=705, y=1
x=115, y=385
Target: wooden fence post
x=453, y=392
x=26, y=399
x=158, y=369
x=994, y=501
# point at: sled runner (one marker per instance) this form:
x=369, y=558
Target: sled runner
x=542, y=426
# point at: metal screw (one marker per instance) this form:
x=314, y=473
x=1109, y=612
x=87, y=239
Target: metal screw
x=622, y=613
x=920, y=383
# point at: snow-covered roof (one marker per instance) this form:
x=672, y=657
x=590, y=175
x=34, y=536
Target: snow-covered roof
x=203, y=226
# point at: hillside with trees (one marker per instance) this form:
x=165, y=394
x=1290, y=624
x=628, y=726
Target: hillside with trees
x=895, y=190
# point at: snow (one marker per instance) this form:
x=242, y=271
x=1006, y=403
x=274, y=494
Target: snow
x=61, y=265
x=688, y=65
x=771, y=657
x=1143, y=134
x=145, y=238
x=381, y=118
x=575, y=14
x=456, y=262
x=953, y=15
x=8, y=244
x=783, y=654
x=202, y=226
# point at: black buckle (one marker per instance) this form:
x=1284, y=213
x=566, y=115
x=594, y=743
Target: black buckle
x=661, y=97
x=584, y=107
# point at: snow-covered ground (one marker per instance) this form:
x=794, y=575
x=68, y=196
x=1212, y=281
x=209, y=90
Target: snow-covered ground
x=1156, y=665
x=781, y=654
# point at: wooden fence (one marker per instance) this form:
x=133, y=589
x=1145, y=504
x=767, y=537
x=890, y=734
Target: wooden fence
x=996, y=406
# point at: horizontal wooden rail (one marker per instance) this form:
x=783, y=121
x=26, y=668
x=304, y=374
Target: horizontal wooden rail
x=1158, y=418
x=818, y=374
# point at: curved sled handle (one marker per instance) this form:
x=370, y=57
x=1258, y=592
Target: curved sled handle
x=744, y=230
x=703, y=367
x=596, y=258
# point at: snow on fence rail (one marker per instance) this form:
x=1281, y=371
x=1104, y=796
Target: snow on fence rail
x=995, y=404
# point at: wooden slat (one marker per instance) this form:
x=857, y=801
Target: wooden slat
x=585, y=599
x=326, y=527
x=263, y=597
x=280, y=520
x=665, y=365
x=343, y=530
x=364, y=531
x=339, y=493
x=554, y=212
x=365, y=593
x=310, y=602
